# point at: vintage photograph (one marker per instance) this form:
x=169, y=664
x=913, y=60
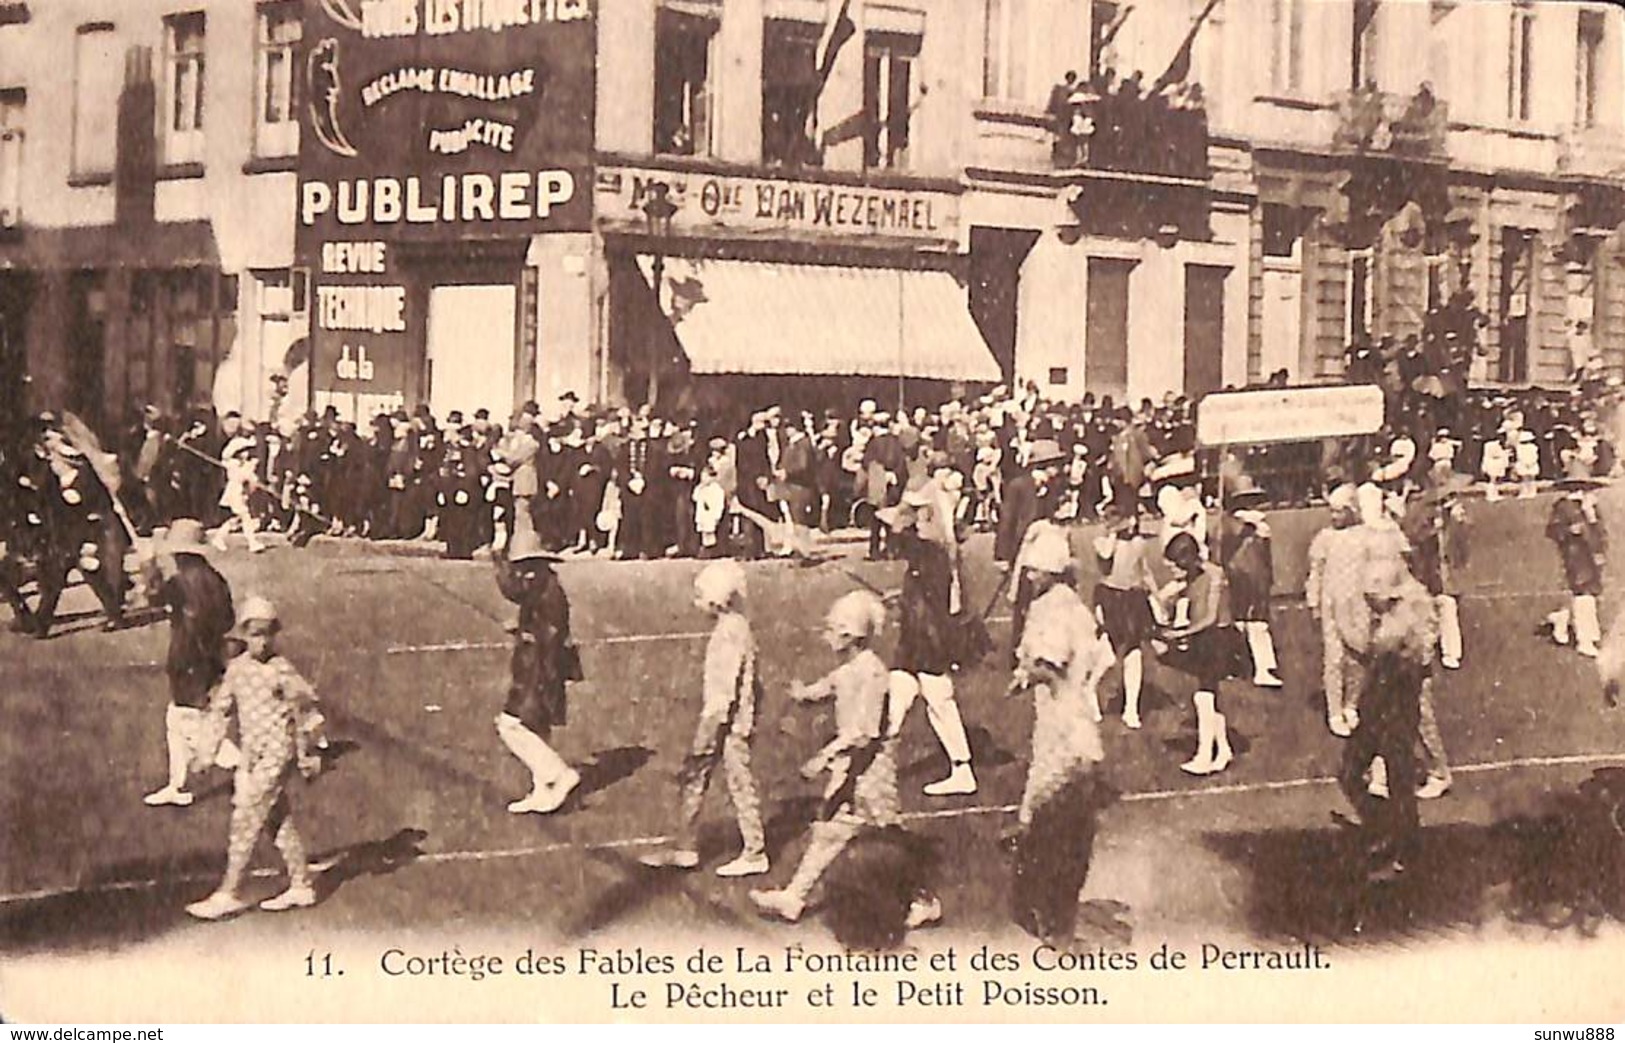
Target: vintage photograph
x=812, y=510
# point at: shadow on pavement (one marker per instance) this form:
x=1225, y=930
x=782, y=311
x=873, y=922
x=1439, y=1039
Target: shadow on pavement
x=372, y=858
x=1561, y=869
x=607, y=767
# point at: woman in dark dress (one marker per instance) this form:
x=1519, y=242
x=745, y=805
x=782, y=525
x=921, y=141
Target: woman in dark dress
x=1196, y=636
x=931, y=642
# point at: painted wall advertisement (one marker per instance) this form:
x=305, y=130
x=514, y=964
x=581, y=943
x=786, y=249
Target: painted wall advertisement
x=428, y=122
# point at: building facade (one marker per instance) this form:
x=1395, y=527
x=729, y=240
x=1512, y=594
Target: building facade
x=377, y=203
x=147, y=164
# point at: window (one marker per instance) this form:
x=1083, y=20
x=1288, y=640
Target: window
x=1587, y=67
x=1363, y=61
x=276, y=108
x=1286, y=53
x=1004, y=50
x=98, y=75
x=12, y=108
x=684, y=53
x=1520, y=52
x=888, y=93
x=183, y=88
x=789, y=90
x=1361, y=311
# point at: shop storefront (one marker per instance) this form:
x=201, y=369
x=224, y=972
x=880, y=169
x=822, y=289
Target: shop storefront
x=438, y=157
x=784, y=289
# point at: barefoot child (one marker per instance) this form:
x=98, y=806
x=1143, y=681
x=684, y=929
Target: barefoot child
x=732, y=692
x=279, y=723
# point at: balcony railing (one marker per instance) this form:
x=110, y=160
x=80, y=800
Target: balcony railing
x=1413, y=126
x=1118, y=129
x=1591, y=152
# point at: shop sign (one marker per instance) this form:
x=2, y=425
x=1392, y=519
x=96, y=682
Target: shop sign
x=430, y=124
x=723, y=204
x=1288, y=414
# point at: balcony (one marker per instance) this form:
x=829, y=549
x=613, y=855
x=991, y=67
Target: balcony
x=1403, y=126
x=1597, y=152
x=1115, y=130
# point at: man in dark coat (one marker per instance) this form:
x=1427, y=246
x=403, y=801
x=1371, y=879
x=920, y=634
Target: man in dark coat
x=885, y=466
x=545, y=660
x=1026, y=499
x=754, y=459
x=84, y=531
x=198, y=599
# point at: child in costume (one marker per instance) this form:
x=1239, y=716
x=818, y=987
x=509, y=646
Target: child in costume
x=860, y=761
x=280, y=730
x=732, y=693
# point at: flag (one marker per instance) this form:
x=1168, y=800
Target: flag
x=1107, y=33
x=838, y=29
x=1180, y=67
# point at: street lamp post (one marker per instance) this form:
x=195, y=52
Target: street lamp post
x=658, y=209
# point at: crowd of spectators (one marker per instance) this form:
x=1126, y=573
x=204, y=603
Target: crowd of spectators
x=1111, y=122
x=629, y=483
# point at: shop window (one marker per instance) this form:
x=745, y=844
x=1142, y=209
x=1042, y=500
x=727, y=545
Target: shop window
x=1588, y=66
x=685, y=48
x=276, y=108
x=888, y=93
x=1520, y=58
x=1363, y=61
x=1004, y=50
x=790, y=88
x=183, y=52
x=97, y=77
x=1286, y=50
x=13, y=106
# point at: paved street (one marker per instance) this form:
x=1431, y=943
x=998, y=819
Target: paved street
x=409, y=653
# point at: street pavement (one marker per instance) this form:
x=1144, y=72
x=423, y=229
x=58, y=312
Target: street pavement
x=410, y=656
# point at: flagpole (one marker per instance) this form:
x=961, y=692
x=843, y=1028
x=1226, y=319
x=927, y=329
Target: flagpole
x=902, y=349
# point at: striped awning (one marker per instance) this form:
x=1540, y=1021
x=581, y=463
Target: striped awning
x=755, y=317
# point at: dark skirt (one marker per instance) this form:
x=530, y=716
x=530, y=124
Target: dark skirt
x=1249, y=596
x=870, y=887
x=1125, y=616
x=929, y=634
x=1210, y=656
x=1052, y=857
x=538, y=699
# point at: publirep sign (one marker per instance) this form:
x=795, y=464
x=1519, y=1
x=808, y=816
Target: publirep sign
x=445, y=120
x=429, y=123
x=723, y=203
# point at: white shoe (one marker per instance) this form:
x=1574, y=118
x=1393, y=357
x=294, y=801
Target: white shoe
x=532, y=802
x=923, y=912
x=1268, y=681
x=217, y=906
x=1131, y=723
x=670, y=858
x=256, y=548
x=747, y=864
x=293, y=898
x=1378, y=784
x=220, y=543
x=960, y=782
x=1450, y=662
x=1435, y=787
x=169, y=796
x=1339, y=725
x=780, y=903
x=1587, y=650
x=557, y=792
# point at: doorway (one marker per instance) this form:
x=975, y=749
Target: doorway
x=472, y=349
x=1204, y=329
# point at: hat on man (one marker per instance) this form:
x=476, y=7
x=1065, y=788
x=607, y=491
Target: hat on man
x=184, y=536
x=898, y=519
x=1577, y=484
x=1247, y=493
x=527, y=546
x=1343, y=498
x=1044, y=452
